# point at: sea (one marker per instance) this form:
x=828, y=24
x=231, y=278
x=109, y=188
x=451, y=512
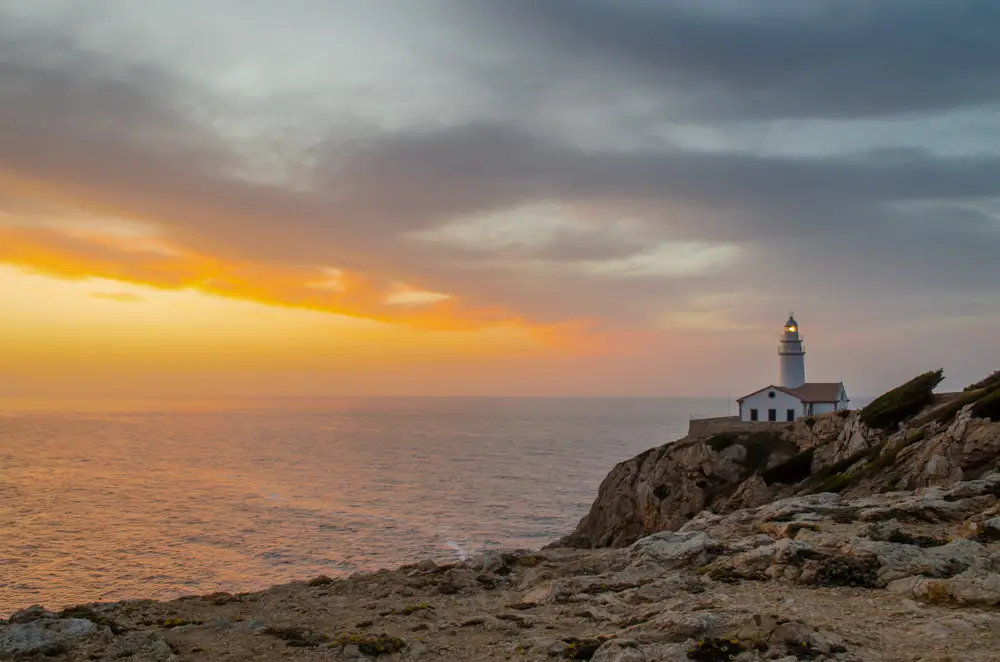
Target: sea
x=108, y=502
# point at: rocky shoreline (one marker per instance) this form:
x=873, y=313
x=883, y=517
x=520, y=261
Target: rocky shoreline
x=896, y=576
x=831, y=539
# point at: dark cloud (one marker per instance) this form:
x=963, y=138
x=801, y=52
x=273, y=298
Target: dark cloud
x=776, y=58
x=145, y=142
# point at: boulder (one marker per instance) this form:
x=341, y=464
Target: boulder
x=42, y=636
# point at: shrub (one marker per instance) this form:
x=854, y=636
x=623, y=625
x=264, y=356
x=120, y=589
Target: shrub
x=893, y=407
x=947, y=412
x=298, y=637
x=810, y=422
x=373, y=645
x=847, y=570
x=759, y=445
x=835, y=483
x=721, y=441
x=992, y=380
x=988, y=406
x=796, y=468
x=716, y=650
x=581, y=649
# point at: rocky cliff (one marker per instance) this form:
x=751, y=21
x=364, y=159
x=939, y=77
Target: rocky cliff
x=908, y=438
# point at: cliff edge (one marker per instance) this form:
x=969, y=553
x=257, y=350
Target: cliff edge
x=906, y=439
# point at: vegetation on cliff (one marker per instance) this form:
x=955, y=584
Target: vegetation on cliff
x=893, y=407
x=992, y=380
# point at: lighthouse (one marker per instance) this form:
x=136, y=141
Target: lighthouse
x=792, y=356
x=792, y=396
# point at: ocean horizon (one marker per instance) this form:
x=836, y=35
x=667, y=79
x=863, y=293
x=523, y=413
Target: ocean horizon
x=158, y=498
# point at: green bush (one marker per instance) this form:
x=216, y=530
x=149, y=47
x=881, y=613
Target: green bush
x=992, y=380
x=835, y=483
x=948, y=412
x=890, y=409
x=988, y=406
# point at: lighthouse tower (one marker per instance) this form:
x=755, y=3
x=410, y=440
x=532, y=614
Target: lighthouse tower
x=792, y=356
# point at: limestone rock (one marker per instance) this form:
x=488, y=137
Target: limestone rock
x=43, y=636
x=670, y=550
x=751, y=493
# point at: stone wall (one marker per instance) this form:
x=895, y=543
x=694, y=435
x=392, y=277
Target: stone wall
x=706, y=427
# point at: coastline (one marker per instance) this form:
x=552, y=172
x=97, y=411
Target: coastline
x=825, y=539
x=781, y=579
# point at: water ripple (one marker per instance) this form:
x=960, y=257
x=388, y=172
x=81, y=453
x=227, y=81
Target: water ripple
x=153, y=504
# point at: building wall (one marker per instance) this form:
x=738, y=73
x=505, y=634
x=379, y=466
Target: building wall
x=781, y=402
x=823, y=407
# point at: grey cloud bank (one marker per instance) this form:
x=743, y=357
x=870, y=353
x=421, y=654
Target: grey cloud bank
x=594, y=136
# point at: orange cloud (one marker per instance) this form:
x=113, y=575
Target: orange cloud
x=79, y=251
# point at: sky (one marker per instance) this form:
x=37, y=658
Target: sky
x=495, y=197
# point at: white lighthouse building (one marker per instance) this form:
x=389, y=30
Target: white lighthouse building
x=792, y=396
x=792, y=355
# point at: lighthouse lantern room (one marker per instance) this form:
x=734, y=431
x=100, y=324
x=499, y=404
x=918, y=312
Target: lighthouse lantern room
x=793, y=356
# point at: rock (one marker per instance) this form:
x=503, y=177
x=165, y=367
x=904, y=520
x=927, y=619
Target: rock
x=490, y=561
x=898, y=560
x=146, y=645
x=661, y=589
x=942, y=628
x=663, y=488
x=427, y=565
x=670, y=550
x=33, y=613
x=806, y=641
x=881, y=531
x=676, y=627
x=815, y=505
x=321, y=580
x=456, y=580
x=43, y=636
x=977, y=588
x=616, y=651
x=751, y=493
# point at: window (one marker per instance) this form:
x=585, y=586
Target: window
x=791, y=414
x=772, y=415
x=753, y=415
x=771, y=394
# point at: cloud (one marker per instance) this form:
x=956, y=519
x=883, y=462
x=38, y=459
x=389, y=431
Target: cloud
x=588, y=165
x=724, y=59
x=122, y=297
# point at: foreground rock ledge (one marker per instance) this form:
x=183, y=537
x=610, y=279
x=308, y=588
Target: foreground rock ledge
x=897, y=576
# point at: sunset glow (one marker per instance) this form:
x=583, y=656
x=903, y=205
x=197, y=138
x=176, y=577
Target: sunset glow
x=451, y=213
